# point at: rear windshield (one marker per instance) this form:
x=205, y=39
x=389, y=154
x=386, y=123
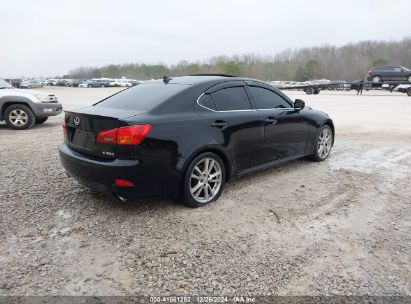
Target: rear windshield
x=142, y=97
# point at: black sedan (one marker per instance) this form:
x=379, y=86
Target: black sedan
x=185, y=137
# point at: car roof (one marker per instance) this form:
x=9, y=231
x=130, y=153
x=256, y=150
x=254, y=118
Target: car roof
x=386, y=66
x=202, y=78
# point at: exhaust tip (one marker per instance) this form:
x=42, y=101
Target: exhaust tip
x=120, y=198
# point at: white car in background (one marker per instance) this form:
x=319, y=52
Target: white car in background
x=125, y=83
x=120, y=83
x=115, y=83
x=83, y=84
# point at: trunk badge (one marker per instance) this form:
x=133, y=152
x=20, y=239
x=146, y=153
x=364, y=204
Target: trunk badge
x=76, y=120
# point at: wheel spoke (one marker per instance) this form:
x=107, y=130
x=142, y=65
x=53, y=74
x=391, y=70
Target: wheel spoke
x=207, y=163
x=198, y=191
x=206, y=191
x=194, y=190
x=198, y=170
x=211, y=176
x=193, y=175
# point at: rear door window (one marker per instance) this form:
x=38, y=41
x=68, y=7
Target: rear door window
x=231, y=99
x=207, y=101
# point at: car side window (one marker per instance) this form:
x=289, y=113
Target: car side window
x=266, y=99
x=230, y=99
x=207, y=101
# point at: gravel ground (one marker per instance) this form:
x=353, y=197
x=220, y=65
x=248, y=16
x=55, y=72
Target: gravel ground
x=340, y=227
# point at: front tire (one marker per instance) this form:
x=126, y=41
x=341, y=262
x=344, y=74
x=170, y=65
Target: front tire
x=323, y=144
x=39, y=121
x=19, y=117
x=204, y=180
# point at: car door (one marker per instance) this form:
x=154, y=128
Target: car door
x=233, y=123
x=398, y=74
x=285, y=129
x=390, y=74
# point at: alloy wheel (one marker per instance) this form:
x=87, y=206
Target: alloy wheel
x=376, y=79
x=324, y=143
x=205, y=180
x=18, y=117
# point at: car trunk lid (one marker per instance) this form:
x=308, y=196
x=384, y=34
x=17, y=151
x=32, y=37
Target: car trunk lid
x=84, y=124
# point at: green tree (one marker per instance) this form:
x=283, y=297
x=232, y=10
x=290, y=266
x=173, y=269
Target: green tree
x=229, y=68
x=379, y=61
x=111, y=71
x=299, y=75
x=193, y=69
x=311, y=70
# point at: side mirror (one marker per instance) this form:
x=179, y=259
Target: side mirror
x=299, y=104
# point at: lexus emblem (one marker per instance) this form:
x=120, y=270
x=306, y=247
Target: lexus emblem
x=76, y=120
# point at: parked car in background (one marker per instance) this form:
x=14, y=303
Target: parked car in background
x=76, y=82
x=83, y=84
x=185, y=137
x=21, y=109
x=98, y=83
x=30, y=84
x=62, y=82
x=14, y=82
x=115, y=83
x=125, y=83
x=389, y=73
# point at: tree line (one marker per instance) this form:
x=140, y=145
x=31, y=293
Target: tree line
x=348, y=62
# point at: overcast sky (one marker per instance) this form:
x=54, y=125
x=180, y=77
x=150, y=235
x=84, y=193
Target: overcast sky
x=52, y=37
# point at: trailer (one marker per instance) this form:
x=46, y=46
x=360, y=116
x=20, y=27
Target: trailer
x=314, y=88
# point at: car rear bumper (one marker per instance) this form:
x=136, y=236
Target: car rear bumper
x=46, y=109
x=148, y=176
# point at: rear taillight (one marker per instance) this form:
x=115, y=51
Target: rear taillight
x=107, y=137
x=64, y=125
x=131, y=135
x=369, y=72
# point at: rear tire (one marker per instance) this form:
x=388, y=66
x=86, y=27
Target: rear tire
x=203, y=181
x=376, y=79
x=309, y=90
x=323, y=144
x=19, y=117
x=39, y=121
x=409, y=92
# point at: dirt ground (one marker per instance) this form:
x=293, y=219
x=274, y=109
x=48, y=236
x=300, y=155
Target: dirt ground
x=340, y=227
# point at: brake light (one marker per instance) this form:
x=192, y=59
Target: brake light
x=123, y=183
x=130, y=135
x=369, y=72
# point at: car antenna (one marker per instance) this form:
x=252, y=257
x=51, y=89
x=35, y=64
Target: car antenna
x=166, y=79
